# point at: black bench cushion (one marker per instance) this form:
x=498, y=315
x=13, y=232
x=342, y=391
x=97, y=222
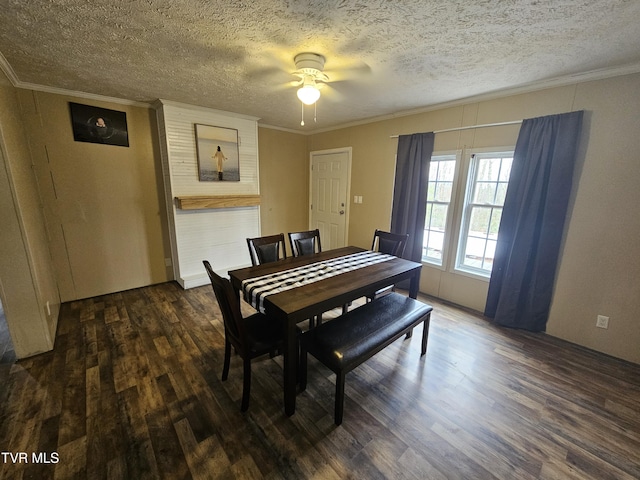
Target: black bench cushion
x=355, y=336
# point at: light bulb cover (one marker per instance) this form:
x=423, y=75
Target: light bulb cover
x=308, y=94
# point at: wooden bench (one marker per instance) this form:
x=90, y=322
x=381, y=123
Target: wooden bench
x=347, y=341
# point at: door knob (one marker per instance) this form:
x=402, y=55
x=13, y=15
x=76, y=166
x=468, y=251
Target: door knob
x=341, y=212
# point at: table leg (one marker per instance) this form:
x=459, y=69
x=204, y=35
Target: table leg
x=415, y=284
x=414, y=287
x=290, y=368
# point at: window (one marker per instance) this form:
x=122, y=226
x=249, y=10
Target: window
x=441, y=178
x=461, y=224
x=486, y=189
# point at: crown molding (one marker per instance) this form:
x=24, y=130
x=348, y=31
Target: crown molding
x=13, y=78
x=84, y=95
x=8, y=70
x=593, y=75
x=159, y=102
x=283, y=129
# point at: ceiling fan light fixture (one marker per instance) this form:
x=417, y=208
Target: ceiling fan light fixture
x=308, y=94
x=309, y=69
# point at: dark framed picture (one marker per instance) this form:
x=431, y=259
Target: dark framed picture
x=98, y=125
x=218, y=156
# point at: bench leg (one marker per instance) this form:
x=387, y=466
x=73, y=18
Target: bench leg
x=425, y=333
x=339, y=408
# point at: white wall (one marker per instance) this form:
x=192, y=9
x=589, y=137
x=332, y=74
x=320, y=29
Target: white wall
x=216, y=235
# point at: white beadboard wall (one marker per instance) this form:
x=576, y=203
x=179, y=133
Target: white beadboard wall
x=217, y=235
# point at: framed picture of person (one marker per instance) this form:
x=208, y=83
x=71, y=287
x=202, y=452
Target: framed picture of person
x=98, y=125
x=218, y=156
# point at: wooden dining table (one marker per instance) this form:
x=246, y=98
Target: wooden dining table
x=302, y=302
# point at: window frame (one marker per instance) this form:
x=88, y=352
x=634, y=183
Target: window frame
x=455, y=155
x=463, y=220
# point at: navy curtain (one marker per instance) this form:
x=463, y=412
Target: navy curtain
x=532, y=221
x=410, y=190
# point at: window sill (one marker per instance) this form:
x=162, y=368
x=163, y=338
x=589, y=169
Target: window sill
x=435, y=266
x=475, y=276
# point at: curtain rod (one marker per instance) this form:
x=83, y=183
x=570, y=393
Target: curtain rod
x=514, y=122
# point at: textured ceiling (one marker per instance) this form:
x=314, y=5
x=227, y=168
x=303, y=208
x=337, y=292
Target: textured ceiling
x=386, y=56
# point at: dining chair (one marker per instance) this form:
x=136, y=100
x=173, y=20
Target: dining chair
x=251, y=336
x=266, y=249
x=305, y=243
x=391, y=244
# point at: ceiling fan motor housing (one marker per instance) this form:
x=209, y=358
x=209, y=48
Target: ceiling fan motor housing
x=309, y=63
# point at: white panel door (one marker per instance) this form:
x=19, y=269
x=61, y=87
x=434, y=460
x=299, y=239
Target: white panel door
x=329, y=194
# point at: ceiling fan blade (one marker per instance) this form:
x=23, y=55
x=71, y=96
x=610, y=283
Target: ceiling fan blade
x=347, y=72
x=269, y=65
x=282, y=86
x=271, y=75
x=330, y=92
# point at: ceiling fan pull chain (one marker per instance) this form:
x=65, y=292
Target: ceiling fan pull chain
x=315, y=112
x=302, y=121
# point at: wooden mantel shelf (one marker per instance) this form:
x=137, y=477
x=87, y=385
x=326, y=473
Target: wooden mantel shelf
x=200, y=202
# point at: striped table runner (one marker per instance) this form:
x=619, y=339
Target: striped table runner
x=257, y=288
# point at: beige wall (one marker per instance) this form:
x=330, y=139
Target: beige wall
x=600, y=266
x=104, y=207
x=26, y=272
x=284, y=182
x=599, y=271
x=108, y=233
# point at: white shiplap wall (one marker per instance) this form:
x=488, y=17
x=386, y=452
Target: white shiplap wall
x=217, y=235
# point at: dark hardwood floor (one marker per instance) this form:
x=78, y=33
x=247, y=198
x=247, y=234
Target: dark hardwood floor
x=132, y=390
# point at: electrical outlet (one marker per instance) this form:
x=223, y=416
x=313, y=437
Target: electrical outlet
x=602, y=321
x=167, y=262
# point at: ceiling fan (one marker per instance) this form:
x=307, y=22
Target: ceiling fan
x=312, y=78
x=309, y=69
